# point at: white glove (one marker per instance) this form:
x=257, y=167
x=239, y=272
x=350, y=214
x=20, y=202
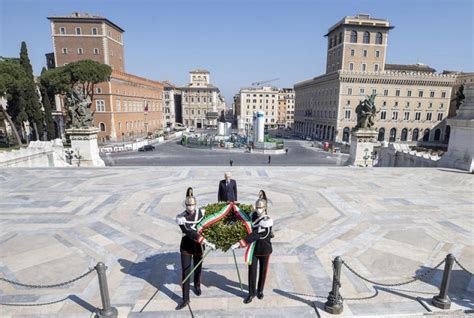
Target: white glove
x=180, y=220
x=210, y=245
x=235, y=245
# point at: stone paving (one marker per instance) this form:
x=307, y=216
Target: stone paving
x=387, y=223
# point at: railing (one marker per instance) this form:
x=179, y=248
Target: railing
x=334, y=303
x=106, y=311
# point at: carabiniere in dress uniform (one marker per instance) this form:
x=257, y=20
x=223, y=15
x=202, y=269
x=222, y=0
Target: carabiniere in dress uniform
x=192, y=245
x=261, y=234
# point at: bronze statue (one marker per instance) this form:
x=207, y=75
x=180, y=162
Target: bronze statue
x=366, y=112
x=459, y=97
x=79, y=108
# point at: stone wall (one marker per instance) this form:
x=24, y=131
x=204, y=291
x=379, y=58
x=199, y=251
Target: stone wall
x=38, y=154
x=400, y=155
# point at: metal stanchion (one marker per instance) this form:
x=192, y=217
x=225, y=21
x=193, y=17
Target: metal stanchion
x=107, y=310
x=442, y=300
x=334, y=303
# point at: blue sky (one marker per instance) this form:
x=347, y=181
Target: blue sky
x=241, y=42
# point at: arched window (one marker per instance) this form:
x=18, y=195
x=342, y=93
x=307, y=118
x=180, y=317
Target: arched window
x=415, y=134
x=381, y=134
x=447, y=132
x=366, y=38
x=102, y=126
x=426, y=135
x=393, y=135
x=345, y=134
x=354, y=37
x=378, y=38
x=404, y=135
x=437, y=135
x=340, y=38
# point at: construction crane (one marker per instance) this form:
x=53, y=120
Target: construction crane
x=264, y=82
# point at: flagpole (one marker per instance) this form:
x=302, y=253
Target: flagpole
x=238, y=273
x=196, y=266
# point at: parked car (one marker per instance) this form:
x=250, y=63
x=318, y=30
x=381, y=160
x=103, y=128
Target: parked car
x=308, y=139
x=192, y=129
x=278, y=135
x=146, y=148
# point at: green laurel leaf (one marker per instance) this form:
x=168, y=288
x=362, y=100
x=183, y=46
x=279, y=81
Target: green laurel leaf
x=227, y=231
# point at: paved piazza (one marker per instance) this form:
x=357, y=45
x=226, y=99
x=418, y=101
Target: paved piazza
x=388, y=224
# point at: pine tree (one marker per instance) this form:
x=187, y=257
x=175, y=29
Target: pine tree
x=48, y=117
x=30, y=95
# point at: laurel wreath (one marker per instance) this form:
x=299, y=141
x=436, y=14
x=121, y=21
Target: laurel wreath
x=227, y=231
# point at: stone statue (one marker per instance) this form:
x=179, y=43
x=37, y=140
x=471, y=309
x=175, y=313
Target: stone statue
x=79, y=108
x=366, y=112
x=459, y=97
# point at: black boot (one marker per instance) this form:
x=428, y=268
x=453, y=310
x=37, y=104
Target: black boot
x=182, y=305
x=260, y=295
x=248, y=300
x=197, y=290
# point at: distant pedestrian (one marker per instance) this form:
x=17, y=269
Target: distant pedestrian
x=286, y=150
x=231, y=162
x=269, y=159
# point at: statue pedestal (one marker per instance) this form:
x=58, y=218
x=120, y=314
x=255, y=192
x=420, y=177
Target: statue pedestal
x=362, y=146
x=460, y=153
x=84, y=144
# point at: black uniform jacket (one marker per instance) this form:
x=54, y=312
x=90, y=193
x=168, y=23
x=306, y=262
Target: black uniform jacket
x=227, y=192
x=191, y=240
x=261, y=233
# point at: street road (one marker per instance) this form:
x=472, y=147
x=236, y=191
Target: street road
x=171, y=153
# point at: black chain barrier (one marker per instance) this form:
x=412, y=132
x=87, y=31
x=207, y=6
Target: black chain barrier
x=49, y=286
x=107, y=311
x=462, y=267
x=414, y=279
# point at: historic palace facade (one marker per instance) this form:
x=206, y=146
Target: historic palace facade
x=413, y=100
x=125, y=106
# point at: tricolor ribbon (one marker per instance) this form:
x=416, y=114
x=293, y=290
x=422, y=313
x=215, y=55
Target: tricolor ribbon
x=213, y=218
x=248, y=226
x=219, y=215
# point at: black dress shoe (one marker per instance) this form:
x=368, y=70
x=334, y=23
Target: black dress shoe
x=197, y=291
x=182, y=305
x=248, y=299
x=260, y=295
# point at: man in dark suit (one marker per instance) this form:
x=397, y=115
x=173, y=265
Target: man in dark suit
x=227, y=189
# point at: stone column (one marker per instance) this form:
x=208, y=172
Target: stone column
x=84, y=143
x=362, y=146
x=460, y=153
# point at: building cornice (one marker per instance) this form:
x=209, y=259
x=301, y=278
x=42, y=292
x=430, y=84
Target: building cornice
x=85, y=19
x=317, y=80
x=400, y=78
x=126, y=77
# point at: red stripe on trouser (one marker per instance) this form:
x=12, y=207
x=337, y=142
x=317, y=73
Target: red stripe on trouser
x=265, y=272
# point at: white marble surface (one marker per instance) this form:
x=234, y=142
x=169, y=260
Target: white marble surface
x=387, y=223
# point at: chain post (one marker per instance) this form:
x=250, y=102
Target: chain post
x=334, y=300
x=107, y=310
x=442, y=300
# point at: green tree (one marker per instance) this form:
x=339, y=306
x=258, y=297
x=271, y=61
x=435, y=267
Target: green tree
x=48, y=117
x=12, y=76
x=55, y=81
x=85, y=74
x=30, y=95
